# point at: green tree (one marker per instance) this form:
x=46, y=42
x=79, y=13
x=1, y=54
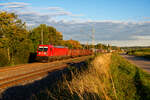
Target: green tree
x=13, y=35
x=73, y=44
x=48, y=34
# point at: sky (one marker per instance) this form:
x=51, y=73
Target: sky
x=115, y=22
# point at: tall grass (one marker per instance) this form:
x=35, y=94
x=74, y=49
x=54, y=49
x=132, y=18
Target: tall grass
x=94, y=83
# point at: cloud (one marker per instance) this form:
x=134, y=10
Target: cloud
x=61, y=11
x=39, y=18
x=13, y=5
x=146, y=17
x=127, y=43
x=139, y=37
x=114, y=32
x=54, y=8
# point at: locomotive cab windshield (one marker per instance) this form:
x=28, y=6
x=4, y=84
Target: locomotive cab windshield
x=43, y=49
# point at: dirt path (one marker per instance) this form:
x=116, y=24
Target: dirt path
x=138, y=61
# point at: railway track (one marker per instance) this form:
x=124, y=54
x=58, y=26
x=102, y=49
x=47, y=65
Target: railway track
x=7, y=68
x=15, y=67
x=10, y=71
x=27, y=77
x=15, y=80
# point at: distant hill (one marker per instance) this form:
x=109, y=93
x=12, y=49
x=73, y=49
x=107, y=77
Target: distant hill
x=135, y=47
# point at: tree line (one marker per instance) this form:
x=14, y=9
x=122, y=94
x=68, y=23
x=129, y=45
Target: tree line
x=17, y=43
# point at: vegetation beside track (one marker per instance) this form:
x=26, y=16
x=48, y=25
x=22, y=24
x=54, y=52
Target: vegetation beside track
x=106, y=77
x=86, y=82
x=102, y=77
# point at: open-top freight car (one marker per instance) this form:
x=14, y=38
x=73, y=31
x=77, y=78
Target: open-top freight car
x=46, y=53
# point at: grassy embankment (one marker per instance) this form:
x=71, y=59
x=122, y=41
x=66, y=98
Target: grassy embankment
x=106, y=77
x=131, y=83
x=140, y=52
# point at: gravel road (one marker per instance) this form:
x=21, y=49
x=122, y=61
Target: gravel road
x=139, y=61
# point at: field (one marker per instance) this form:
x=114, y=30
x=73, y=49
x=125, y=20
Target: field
x=140, y=52
x=106, y=77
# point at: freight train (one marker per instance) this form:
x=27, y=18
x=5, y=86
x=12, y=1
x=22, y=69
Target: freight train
x=47, y=53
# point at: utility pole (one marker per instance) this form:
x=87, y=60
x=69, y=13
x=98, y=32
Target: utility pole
x=87, y=45
x=42, y=35
x=93, y=39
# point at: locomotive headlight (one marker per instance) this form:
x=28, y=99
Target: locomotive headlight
x=45, y=53
x=39, y=53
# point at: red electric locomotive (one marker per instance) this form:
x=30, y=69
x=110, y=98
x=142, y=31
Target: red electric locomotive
x=50, y=52
x=46, y=53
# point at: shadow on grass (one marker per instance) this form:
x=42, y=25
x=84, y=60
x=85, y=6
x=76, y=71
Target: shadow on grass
x=142, y=90
x=37, y=89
